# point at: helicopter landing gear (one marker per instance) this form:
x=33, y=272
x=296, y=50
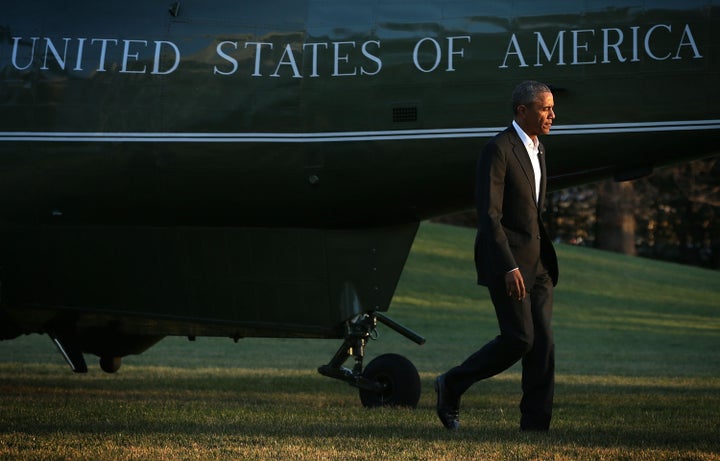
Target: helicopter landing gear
x=110, y=364
x=389, y=379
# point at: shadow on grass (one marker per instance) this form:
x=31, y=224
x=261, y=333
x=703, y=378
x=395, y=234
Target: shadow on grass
x=203, y=404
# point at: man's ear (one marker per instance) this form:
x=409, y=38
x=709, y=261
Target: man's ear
x=521, y=110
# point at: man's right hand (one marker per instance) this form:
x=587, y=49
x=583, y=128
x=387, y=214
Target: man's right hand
x=515, y=285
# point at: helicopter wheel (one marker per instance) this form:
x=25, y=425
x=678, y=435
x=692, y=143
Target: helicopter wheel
x=399, y=378
x=110, y=364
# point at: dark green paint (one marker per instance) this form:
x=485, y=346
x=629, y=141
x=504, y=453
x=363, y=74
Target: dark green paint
x=294, y=238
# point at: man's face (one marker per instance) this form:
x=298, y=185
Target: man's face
x=537, y=118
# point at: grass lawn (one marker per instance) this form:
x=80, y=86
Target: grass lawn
x=638, y=377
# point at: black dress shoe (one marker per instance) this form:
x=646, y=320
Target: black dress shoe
x=448, y=406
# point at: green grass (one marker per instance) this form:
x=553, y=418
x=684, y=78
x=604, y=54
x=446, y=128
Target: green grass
x=638, y=377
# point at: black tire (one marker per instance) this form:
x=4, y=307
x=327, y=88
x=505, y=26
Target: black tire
x=110, y=364
x=400, y=379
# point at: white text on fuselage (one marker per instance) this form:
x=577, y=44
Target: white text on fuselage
x=615, y=45
x=660, y=42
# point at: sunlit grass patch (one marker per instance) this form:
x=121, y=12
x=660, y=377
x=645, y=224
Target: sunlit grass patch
x=638, y=378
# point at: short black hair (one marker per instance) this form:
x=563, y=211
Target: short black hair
x=527, y=92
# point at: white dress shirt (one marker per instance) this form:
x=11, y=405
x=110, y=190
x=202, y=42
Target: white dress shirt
x=532, y=147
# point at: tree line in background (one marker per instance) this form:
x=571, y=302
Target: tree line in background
x=672, y=215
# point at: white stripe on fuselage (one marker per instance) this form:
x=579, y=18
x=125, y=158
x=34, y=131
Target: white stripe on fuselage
x=350, y=136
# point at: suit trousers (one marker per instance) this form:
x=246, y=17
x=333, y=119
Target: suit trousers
x=525, y=333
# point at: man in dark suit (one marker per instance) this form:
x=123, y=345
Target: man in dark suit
x=516, y=260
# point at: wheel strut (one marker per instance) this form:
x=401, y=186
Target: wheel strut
x=358, y=331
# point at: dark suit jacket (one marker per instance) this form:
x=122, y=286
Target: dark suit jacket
x=510, y=228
